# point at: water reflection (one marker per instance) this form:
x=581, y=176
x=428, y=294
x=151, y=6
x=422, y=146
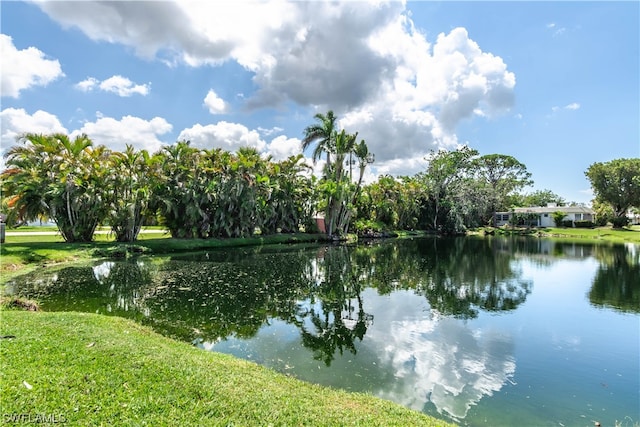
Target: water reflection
x=335, y=317
x=440, y=361
x=617, y=281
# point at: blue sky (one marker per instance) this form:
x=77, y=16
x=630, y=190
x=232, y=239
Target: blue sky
x=554, y=84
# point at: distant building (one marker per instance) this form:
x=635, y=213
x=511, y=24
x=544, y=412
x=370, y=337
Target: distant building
x=542, y=216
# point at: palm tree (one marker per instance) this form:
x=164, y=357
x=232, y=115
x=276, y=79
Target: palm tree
x=26, y=177
x=323, y=132
x=129, y=192
x=58, y=177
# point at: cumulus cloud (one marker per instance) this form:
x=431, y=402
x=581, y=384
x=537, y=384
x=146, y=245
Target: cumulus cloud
x=117, y=84
x=214, y=103
x=23, y=69
x=160, y=30
x=16, y=121
x=282, y=147
x=404, y=94
x=225, y=135
x=115, y=134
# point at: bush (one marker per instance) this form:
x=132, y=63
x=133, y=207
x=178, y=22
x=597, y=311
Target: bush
x=584, y=224
x=567, y=223
x=619, y=221
x=602, y=220
x=364, y=226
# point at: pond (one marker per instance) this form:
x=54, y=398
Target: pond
x=479, y=331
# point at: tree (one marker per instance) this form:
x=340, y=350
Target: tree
x=616, y=183
x=542, y=198
x=61, y=178
x=129, y=192
x=323, y=132
x=446, y=169
x=558, y=217
x=503, y=175
x=336, y=186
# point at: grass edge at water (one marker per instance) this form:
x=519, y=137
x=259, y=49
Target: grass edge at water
x=98, y=370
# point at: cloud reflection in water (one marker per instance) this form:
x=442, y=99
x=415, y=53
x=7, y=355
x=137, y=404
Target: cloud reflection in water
x=439, y=359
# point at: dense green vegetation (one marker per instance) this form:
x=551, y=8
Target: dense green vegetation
x=197, y=193
x=97, y=370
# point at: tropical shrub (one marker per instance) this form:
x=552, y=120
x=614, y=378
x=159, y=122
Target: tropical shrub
x=558, y=217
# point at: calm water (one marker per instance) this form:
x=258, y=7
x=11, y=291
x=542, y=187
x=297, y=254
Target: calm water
x=477, y=331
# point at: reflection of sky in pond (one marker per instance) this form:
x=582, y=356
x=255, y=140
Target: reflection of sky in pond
x=408, y=356
x=437, y=359
x=102, y=271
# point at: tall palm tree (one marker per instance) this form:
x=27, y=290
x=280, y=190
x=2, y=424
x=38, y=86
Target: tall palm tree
x=322, y=132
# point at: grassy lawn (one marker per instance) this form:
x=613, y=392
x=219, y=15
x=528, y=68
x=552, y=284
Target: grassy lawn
x=87, y=369
x=627, y=234
x=604, y=234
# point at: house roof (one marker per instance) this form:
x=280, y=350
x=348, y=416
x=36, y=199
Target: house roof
x=545, y=209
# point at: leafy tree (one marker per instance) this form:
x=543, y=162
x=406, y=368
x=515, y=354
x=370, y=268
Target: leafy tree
x=541, y=198
x=616, y=183
x=503, y=175
x=445, y=172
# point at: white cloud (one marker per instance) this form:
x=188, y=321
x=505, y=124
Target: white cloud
x=115, y=134
x=552, y=26
x=164, y=29
x=214, y=103
x=16, y=121
x=117, y=84
x=282, y=147
x=225, y=135
x=271, y=131
x=23, y=69
x=87, y=84
x=366, y=61
x=438, y=359
x=572, y=107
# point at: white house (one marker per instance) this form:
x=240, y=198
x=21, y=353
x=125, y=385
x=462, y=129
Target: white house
x=542, y=216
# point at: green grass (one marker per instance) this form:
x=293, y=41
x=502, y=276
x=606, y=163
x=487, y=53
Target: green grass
x=608, y=234
x=88, y=369
x=604, y=234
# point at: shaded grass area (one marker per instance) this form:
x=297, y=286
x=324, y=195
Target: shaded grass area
x=90, y=369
